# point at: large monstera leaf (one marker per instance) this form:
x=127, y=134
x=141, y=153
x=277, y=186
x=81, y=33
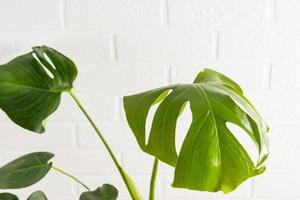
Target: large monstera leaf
x=31, y=86
x=210, y=158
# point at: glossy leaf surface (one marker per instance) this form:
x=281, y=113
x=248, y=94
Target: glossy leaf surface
x=25, y=171
x=8, y=196
x=210, y=158
x=38, y=195
x=106, y=192
x=31, y=86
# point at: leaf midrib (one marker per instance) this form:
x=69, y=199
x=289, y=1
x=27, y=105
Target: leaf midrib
x=32, y=88
x=202, y=91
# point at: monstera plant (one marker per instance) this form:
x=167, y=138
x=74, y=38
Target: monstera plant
x=210, y=158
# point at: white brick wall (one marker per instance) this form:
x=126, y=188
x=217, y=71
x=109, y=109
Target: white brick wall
x=126, y=46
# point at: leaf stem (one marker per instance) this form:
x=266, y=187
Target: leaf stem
x=153, y=179
x=128, y=182
x=71, y=176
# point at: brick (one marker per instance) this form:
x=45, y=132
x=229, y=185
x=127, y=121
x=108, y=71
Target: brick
x=280, y=186
x=164, y=45
x=271, y=43
x=99, y=107
x=287, y=12
x=217, y=14
x=88, y=161
x=145, y=163
x=283, y=161
x=13, y=134
x=119, y=136
x=81, y=47
x=113, y=15
x=29, y=14
x=284, y=132
x=111, y=78
x=6, y=50
x=238, y=44
x=284, y=75
x=250, y=75
x=273, y=105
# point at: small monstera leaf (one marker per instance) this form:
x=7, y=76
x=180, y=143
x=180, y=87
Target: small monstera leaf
x=31, y=86
x=8, y=196
x=210, y=158
x=25, y=171
x=106, y=192
x=38, y=195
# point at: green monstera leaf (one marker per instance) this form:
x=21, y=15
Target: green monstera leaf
x=38, y=195
x=31, y=86
x=210, y=158
x=8, y=196
x=106, y=192
x=25, y=171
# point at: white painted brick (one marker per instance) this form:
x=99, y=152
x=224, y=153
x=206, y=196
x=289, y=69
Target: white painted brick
x=145, y=163
x=99, y=108
x=249, y=75
x=217, y=13
x=87, y=161
x=284, y=161
x=81, y=47
x=113, y=14
x=287, y=12
x=122, y=79
x=284, y=132
x=119, y=136
x=240, y=44
x=29, y=14
x=272, y=43
x=273, y=105
x=6, y=50
x=13, y=135
x=284, y=75
x=280, y=186
x=165, y=45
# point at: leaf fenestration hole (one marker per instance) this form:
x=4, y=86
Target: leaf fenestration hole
x=240, y=105
x=151, y=114
x=149, y=121
x=182, y=125
x=49, y=60
x=48, y=72
x=245, y=140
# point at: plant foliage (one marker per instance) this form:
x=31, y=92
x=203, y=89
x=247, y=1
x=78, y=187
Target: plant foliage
x=105, y=192
x=25, y=171
x=31, y=86
x=210, y=158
